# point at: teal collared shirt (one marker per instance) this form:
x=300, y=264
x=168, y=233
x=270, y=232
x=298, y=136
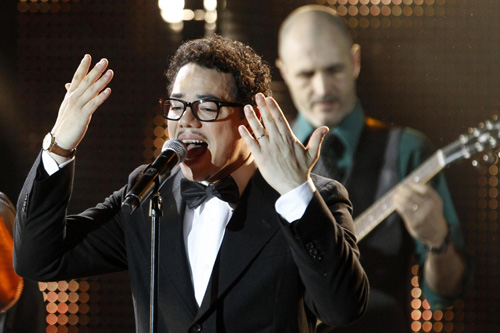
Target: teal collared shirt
x=414, y=149
x=348, y=132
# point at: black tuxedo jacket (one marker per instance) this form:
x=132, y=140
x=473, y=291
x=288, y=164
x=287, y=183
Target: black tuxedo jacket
x=269, y=276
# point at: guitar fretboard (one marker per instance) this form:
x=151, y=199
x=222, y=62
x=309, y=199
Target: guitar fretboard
x=383, y=207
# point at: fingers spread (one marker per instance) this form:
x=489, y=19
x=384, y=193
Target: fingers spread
x=282, y=160
x=249, y=140
x=81, y=72
x=94, y=103
x=253, y=121
x=93, y=94
x=267, y=118
x=273, y=118
x=83, y=81
x=278, y=117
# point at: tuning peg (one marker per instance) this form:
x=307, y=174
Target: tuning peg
x=490, y=158
x=492, y=141
x=488, y=124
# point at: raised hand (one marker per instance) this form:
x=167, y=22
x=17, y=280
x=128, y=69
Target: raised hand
x=282, y=159
x=86, y=92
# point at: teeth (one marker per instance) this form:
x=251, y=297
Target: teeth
x=187, y=142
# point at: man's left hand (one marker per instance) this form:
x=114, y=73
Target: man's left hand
x=282, y=159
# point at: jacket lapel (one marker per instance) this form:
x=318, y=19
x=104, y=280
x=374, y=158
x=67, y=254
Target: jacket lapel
x=253, y=223
x=173, y=257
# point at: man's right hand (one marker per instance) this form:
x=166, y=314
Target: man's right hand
x=86, y=92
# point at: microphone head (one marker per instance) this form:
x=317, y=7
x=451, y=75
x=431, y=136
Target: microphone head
x=177, y=147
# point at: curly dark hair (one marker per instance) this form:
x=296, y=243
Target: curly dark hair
x=251, y=73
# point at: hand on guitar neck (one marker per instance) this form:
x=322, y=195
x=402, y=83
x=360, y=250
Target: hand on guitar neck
x=482, y=139
x=421, y=209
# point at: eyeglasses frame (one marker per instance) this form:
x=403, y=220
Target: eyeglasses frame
x=219, y=104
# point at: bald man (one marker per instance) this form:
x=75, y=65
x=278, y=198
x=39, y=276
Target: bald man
x=320, y=64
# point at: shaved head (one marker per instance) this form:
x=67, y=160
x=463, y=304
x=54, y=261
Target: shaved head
x=319, y=63
x=312, y=22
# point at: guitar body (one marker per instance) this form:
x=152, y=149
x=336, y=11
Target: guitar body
x=11, y=284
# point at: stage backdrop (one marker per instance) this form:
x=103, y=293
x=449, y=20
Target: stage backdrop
x=429, y=64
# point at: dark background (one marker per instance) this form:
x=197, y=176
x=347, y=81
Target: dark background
x=435, y=69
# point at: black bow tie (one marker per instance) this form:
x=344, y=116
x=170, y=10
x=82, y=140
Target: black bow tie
x=194, y=194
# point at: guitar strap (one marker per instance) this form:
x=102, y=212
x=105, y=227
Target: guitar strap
x=390, y=174
x=376, y=157
x=386, y=251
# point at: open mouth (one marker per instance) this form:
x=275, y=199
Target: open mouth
x=195, y=148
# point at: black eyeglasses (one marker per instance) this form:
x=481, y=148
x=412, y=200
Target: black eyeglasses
x=203, y=109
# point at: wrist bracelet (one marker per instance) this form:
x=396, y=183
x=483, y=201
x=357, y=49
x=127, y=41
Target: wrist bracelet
x=440, y=249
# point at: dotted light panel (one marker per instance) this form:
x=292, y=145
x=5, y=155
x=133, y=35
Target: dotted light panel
x=154, y=137
x=67, y=305
x=483, y=240
x=425, y=320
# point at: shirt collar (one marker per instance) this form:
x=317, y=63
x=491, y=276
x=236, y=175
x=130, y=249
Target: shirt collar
x=348, y=131
x=243, y=174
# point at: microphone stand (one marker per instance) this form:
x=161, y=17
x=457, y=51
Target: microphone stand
x=173, y=152
x=155, y=212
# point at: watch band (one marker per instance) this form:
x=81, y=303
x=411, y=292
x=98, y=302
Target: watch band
x=51, y=146
x=55, y=149
x=442, y=248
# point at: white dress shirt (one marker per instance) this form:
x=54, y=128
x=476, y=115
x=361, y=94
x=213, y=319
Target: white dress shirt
x=205, y=225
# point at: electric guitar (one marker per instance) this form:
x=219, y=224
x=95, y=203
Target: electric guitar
x=483, y=138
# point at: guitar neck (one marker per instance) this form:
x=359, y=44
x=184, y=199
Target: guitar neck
x=383, y=207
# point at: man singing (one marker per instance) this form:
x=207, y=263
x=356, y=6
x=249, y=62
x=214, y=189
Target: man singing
x=274, y=255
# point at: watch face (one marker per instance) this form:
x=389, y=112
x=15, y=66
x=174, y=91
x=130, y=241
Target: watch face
x=47, y=141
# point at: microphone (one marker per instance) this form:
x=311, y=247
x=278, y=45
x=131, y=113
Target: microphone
x=172, y=152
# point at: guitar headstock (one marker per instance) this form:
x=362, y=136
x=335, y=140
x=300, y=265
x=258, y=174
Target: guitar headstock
x=481, y=139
